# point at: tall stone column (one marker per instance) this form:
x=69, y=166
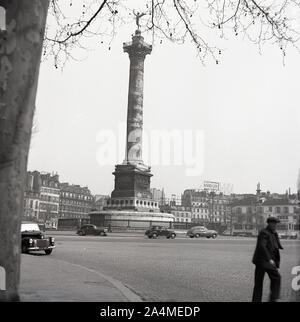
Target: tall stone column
x=132, y=177
x=137, y=50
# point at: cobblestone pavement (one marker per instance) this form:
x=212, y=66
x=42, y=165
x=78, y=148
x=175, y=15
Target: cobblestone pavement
x=182, y=269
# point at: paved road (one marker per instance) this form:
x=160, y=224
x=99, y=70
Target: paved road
x=182, y=269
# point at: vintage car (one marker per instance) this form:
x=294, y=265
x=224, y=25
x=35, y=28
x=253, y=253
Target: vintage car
x=201, y=231
x=32, y=239
x=156, y=231
x=92, y=230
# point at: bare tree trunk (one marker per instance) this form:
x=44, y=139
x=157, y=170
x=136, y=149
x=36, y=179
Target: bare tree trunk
x=20, y=53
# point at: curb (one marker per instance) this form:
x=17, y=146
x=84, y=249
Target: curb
x=126, y=292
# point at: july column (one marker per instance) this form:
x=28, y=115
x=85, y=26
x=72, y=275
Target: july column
x=137, y=51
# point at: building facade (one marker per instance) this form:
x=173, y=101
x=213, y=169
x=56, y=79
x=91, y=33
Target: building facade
x=46, y=199
x=250, y=213
x=75, y=201
x=158, y=195
x=207, y=206
x=32, y=197
x=49, y=199
x=285, y=210
x=181, y=214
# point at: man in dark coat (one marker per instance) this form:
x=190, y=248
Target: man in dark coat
x=266, y=258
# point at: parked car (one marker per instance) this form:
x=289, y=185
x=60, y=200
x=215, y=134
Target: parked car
x=288, y=235
x=156, y=231
x=32, y=239
x=92, y=230
x=201, y=231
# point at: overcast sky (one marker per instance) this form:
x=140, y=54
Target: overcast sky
x=247, y=109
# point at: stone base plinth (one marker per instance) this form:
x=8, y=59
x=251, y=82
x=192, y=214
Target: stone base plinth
x=130, y=219
x=131, y=181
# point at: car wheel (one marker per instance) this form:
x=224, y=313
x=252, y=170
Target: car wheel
x=214, y=236
x=48, y=251
x=154, y=236
x=173, y=236
x=80, y=233
x=197, y=235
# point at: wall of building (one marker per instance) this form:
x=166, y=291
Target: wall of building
x=75, y=201
x=46, y=199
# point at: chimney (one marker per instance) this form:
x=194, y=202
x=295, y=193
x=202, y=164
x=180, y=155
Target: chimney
x=29, y=181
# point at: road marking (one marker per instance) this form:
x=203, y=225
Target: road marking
x=130, y=295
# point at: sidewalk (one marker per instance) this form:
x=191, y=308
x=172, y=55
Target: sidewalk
x=45, y=279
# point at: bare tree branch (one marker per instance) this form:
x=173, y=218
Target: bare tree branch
x=264, y=21
x=86, y=25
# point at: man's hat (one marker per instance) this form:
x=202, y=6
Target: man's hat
x=273, y=219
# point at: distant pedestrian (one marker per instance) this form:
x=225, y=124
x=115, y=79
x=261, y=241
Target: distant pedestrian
x=109, y=228
x=267, y=260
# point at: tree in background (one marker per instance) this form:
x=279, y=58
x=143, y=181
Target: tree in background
x=70, y=23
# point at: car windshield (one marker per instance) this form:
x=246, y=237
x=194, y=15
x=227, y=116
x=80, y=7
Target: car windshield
x=29, y=227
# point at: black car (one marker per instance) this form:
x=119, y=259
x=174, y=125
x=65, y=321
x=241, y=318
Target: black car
x=156, y=231
x=201, y=231
x=32, y=239
x=92, y=230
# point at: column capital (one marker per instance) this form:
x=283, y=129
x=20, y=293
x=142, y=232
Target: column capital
x=137, y=47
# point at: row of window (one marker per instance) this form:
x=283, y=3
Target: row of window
x=74, y=202
x=49, y=190
x=277, y=210
x=56, y=199
x=206, y=219
x=71, y=216
x=48, y=207
x=199, y=204
x=201, y=210
x=283, y=217
x=76, y=196
x=49, y=198
x=287, y=226
x=122, y=202
x=204, y=209
x=284, y=210
x=201, y=216
x=50, y=184
x=205, y=201
x=35, y=204
x=181, y=220
x=182, y=214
